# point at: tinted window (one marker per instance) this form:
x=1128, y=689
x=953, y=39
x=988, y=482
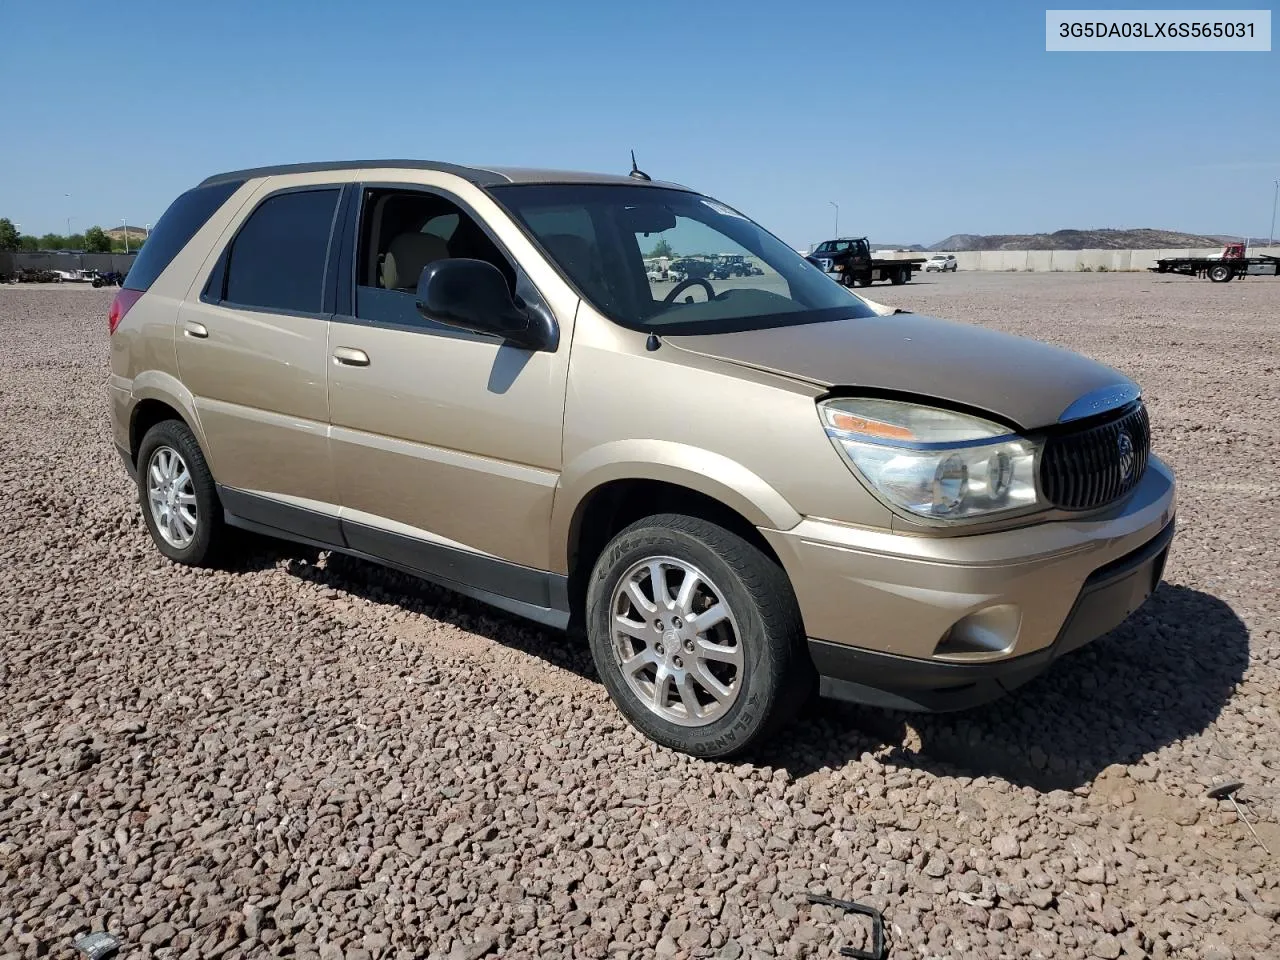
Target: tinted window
x=277, y=259
x=179, y=224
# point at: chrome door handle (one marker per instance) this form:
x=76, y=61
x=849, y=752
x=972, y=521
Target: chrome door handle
x=350, y=357
x=193, y=329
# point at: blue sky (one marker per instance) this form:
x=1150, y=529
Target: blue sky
x=920, y=120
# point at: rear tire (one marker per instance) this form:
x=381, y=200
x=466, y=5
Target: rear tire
x=756, y=672
x=900, y=276
x=1221, y=273
x=864, y=279
x=178, y=497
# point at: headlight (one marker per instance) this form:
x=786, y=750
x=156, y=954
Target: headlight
x=934, y=463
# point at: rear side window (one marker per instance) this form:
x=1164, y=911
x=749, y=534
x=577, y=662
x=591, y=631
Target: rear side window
x=179, y=224
x=277, y=260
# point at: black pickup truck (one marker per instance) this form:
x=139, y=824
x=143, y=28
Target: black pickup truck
x=850, y=260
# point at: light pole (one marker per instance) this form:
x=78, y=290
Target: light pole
x=1271, y=237
x=837, y=206
x=146, y=231
x=126, y=236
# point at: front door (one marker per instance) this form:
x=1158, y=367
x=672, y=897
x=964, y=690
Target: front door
x=441, y=439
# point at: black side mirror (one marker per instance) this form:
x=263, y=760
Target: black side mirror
x=473, y=295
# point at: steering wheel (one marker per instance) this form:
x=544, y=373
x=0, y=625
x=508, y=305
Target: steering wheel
x=685, y=284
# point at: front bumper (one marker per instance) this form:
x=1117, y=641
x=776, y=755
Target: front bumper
x=883, y=610
x=1105, y=601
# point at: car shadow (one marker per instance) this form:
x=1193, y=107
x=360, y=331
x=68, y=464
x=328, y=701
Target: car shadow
x=374, y=582
x=1164, y=675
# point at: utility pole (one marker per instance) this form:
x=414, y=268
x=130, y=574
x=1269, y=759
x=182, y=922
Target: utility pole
x=1275, y=195
x=836, y=235
x=126, y=235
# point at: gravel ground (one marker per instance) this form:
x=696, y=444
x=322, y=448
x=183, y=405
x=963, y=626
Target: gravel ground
x=309, y=756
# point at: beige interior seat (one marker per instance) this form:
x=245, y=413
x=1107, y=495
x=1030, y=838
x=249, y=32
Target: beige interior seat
x=407, y=255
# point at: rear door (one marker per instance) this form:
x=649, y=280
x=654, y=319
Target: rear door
x=253, y=350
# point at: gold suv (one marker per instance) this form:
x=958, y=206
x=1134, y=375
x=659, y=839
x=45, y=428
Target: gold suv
x=612, y=402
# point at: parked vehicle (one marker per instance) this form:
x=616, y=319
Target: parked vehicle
x=36, y=275
x=656, y=274
x=692, y=268
x=941, y=263
x=850, y=259
x=111, y=278
x=740, y=497
x=735, y=265
x=1224, y=267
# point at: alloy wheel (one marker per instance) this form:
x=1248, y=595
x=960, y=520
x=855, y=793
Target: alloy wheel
x=676, y=642
x=172, y=496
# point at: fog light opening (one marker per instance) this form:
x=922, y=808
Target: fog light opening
x=983, y=635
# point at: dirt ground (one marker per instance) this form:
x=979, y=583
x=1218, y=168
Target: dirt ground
x=317, y=758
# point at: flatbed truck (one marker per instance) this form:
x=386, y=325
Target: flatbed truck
x=1224, y=268
x=849, y=260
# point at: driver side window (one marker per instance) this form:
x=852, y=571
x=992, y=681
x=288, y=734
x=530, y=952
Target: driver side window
x=402, y=231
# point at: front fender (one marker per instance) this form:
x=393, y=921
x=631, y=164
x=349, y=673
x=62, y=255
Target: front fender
x=708, y=473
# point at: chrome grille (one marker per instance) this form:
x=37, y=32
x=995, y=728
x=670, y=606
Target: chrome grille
x=1084, y=469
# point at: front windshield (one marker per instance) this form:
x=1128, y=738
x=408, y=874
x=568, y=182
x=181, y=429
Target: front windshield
x=674, y=262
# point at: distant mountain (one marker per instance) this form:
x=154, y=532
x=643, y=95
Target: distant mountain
x=1104, y=239
x=117, y=233
x=913, y=247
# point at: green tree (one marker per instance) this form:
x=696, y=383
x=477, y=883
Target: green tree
x=8, y=234
x=662, y=249
x=75, y=241
x=29, y=243
x=53, y=241
x=97, y=241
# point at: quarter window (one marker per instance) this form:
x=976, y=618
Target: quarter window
x=277, y=260
x=185, y=216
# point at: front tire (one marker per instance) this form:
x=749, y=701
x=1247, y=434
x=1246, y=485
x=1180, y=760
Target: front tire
x=697, y=636
x=178, y=497
x=1221, y=273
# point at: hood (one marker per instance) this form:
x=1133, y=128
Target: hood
x=1025, y=382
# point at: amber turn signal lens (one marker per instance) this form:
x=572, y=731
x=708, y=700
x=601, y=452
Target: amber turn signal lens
x=869, y=428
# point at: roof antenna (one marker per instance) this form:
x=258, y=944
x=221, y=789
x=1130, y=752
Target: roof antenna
x=636, y=172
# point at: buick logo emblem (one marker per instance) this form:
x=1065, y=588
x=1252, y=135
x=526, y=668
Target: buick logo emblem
x=1124, y=445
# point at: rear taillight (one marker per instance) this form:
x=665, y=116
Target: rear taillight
x=120, y=306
